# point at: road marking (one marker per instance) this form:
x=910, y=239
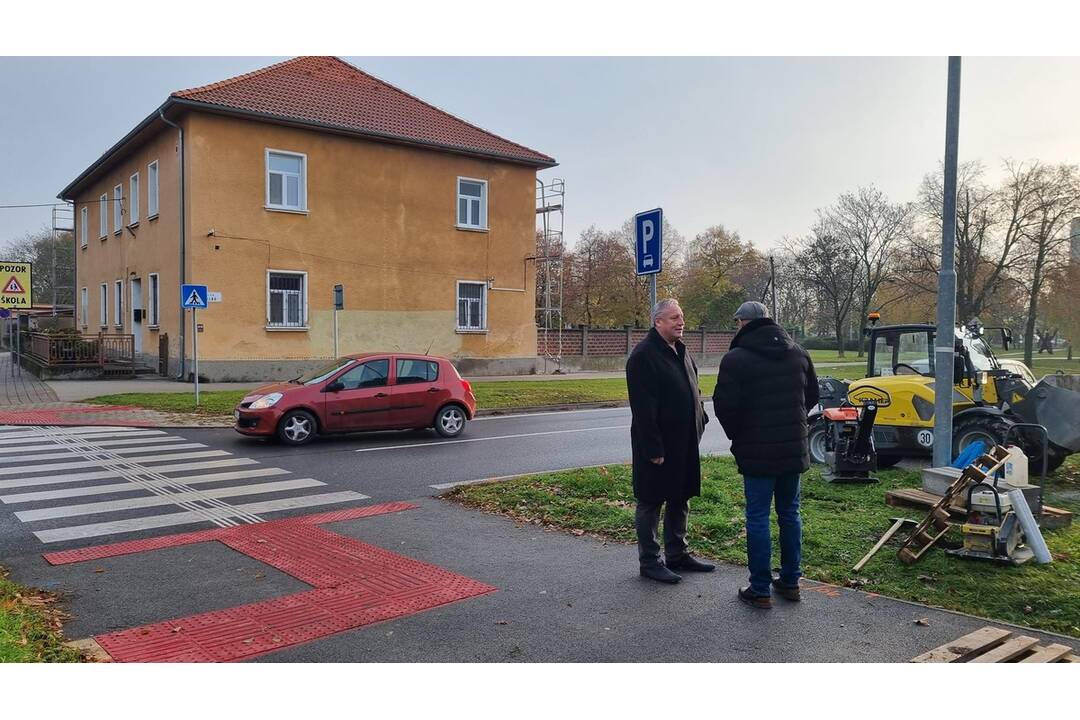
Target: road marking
x=116, y=472
x=37, y=437
x=98, y=463
x=121, y=451
x=35, y=430
x=101, y=443
x=169, y=499
x=130, y=487
x=495, y=437
x=509, y=416
x=79, y=532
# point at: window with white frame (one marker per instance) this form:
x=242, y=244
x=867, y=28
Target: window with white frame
x=286, y=299
x=152, y=189
x=103, y=310
x=472, y=203
x=133, y=200
x=118, y=209
x=103, y=215
x=84, y=301
x=118, y=304
x=471, y=305
x=286, y=180
x=153, y=311
x=84, y=221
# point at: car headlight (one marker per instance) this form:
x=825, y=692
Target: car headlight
x=266, y=401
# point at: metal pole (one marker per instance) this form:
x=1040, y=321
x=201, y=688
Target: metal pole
x=335, y=334
x=195, y=354
x=652, y=292
x=772, y=284
x=18, y=341
x=946, y=303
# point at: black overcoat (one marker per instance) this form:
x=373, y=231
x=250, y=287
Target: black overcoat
x=664, y=422
x=765, y=386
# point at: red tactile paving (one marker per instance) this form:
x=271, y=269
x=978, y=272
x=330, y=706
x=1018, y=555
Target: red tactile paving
x=92, y=415
x=355, y=584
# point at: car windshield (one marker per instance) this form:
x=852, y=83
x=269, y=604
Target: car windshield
x=320, y=374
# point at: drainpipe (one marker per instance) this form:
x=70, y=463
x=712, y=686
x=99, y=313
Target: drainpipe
x=183, y=237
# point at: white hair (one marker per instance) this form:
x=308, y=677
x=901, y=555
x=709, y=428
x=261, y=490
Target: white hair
x=661, y=306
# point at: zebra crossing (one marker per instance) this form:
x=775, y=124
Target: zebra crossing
x=82, y=483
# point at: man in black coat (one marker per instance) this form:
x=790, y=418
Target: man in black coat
x=765, y=386
x=667, y=422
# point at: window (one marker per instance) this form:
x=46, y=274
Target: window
x=103, y=215
x=286, y=180
x=84, y=300
x=118, y=210
x=472, y=203
x=472, y=305
x=133, y=201
x=373, y=373
x=286, y=299
x=155, y=296
x=416, y=371
x=152, y=189
x=118, y=304
x=84, y=221
x=103, y=310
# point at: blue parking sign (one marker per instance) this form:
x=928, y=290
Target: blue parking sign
x=193, y=296
x=649, y=241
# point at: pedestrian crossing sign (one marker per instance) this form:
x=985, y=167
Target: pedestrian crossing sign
x=16, y=292
x=193, y=296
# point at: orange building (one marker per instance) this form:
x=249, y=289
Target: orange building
x=271, y=188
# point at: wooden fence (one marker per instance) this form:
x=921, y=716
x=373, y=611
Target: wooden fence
x=114, y=354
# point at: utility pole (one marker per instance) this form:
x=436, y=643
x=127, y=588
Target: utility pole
x=946, y=302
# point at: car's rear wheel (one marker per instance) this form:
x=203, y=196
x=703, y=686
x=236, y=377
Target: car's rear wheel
x=297, y=427
x=450, y=421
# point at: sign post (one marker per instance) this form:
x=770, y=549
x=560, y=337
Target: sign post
x=196, y=298
x=649, y=247
x=339, y=304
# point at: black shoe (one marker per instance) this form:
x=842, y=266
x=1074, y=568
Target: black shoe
x=689, y=563
x=761, y=602
x=660, y=574
x=788, y=592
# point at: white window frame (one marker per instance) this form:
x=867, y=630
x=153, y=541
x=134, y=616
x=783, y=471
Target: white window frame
x=84, y=301
x=303, y=300
x=483, y=203
x=103, y=213
x=118, y=302
x=84, y=222
x=103, y=311
x=133, y=200
x=303, y=207
x=152, y=190
x=153, y=300
x=118, y=209
x=483, y=307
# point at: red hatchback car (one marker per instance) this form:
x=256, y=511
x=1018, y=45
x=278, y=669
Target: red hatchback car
x=372, y=391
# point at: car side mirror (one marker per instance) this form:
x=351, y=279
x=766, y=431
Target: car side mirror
x=335, y=386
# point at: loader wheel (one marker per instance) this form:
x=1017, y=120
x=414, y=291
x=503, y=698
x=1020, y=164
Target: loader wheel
x=817, y=435
x=992, y=429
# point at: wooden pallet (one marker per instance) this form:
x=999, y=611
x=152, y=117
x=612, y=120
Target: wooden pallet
x=1052, y=517
x=997, y=645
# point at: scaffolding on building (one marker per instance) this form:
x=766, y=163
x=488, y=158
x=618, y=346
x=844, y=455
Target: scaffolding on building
x=63, y=220
x=550, y=199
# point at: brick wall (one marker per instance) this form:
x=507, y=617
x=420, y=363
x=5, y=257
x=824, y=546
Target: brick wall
x=604, y=342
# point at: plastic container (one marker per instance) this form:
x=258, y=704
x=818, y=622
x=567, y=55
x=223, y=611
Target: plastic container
x=1016, y=467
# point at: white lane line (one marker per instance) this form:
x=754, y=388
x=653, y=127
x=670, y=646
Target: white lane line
x=132, y=487
x=77, y=532
x=495, y=437
x=447, y=486
x=49, y=467
x=35, y=430
x=510, y=416
x=115, y=472
x=37, y=437
x=77, y=453
x=100, y=443
x=159, y=500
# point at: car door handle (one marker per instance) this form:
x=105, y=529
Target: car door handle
x=379, y=395
x=434, y=389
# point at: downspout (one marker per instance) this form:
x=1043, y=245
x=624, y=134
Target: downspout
x=183, y=237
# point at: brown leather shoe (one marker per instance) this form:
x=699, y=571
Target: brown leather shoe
x=761, y=602
x=788, y=592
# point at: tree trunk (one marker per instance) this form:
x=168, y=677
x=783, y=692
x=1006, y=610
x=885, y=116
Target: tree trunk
x=839, y=324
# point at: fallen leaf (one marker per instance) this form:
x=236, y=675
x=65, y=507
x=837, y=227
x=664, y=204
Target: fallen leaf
x=577, y=532
x=99, y=570
x=927, y=578
x=922, y=622
x=260, y=576
x=260, y=541
x=1028, y=609
x=249, y=641
x=277, y=639
x=502, y=622
x=177, y=629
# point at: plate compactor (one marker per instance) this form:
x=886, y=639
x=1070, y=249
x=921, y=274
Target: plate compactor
x=992, y=531
x=849, y=445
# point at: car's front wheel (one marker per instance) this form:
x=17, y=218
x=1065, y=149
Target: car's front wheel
x=297, y=427
x=450, y=421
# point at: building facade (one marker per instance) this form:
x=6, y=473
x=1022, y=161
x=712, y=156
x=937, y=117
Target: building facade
x=272, y=188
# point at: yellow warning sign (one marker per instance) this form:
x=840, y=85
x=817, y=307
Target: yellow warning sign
x=15, y=293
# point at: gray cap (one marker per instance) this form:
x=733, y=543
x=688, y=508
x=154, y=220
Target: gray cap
x=751, y=310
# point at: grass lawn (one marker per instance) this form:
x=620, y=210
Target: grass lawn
x=841, y=523
x=30, y=626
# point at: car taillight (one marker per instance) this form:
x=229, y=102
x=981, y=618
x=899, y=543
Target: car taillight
x=465, y=384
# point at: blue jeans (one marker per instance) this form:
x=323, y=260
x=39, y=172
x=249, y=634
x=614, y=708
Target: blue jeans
x=759, y=496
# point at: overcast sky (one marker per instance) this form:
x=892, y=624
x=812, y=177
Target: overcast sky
x=755, y=144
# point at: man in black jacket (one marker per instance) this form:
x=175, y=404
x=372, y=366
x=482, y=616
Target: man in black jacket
x=666, y=426
x=765, y=386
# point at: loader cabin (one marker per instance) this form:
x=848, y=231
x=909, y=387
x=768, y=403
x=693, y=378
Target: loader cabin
x=909, y=350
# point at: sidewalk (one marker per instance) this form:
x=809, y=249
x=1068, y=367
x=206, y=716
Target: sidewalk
x=22, y=387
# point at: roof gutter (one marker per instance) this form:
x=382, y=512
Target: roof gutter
x=183, y=235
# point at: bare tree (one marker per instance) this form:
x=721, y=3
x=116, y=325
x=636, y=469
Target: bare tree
x=794, y=294
x=832, y=270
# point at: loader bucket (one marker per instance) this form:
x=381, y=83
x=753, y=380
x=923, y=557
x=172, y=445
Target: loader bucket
x=1054, y=403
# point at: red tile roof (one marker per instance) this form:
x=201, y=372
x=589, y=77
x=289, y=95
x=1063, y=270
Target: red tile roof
x=329, y=91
